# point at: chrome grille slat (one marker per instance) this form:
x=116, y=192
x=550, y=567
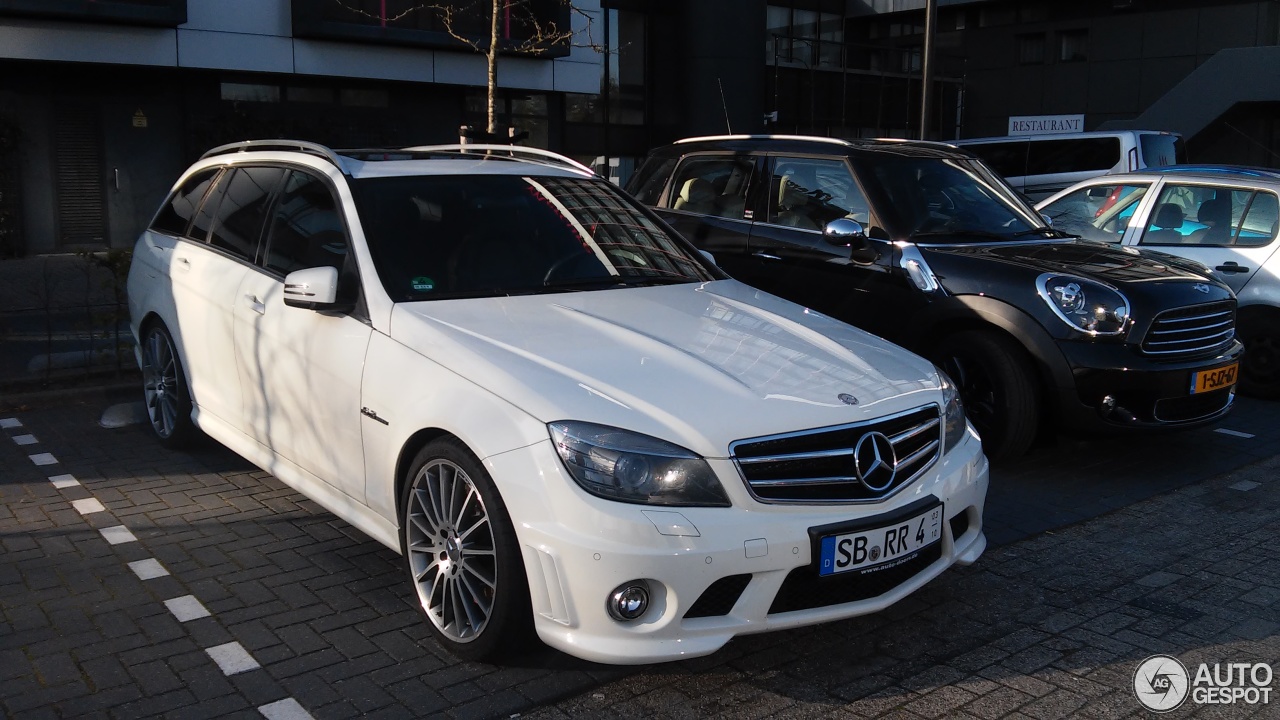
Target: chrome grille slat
x=1192, y=331
x=817, y=466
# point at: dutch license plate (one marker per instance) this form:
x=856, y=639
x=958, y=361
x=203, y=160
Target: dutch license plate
x=882, y=546
x=1214, y=379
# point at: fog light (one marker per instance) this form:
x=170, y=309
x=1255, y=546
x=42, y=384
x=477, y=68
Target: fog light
x=628, y=601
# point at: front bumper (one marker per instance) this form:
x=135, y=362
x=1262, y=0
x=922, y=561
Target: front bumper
x=1143, y=393
x=731, y=563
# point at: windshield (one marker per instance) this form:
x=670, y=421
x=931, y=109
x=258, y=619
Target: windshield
x=449, y=236
x=951, y=200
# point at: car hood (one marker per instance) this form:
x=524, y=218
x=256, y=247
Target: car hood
x=1163, y=279
x=700, y=365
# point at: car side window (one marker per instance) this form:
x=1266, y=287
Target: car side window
x=808, y=193
x=176, y=213
x=1260, y=222
x=712, y=185
x=238, y=221
x=1198, y=215
x=203, y=220
x=306, y=228
x=1096, y=212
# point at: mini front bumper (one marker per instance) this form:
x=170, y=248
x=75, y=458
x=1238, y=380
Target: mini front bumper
x=577, y=549
x=1112, y=387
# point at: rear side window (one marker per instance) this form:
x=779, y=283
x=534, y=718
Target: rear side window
x=712, y=185
x=238, y=221
x=1047, y=157
x=203, y=220
x=1008, y=159
x=648, y=183
x=176, y=213
x=306, y=229
x=1161, y=150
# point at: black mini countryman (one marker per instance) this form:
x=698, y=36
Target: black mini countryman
x=924, y=245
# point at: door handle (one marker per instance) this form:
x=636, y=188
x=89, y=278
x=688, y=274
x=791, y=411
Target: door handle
x=1231, y=267
x=256, y=305
x=764, y=255
x=182, y=263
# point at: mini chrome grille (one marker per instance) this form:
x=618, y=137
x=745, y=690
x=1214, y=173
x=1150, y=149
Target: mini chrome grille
x=845, y=463
x=1191, y=331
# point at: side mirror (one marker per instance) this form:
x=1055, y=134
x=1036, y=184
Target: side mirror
x=311, y=289
x=710, y=258
x=846, y=233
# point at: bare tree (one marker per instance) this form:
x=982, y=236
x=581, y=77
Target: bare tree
x=542, y=35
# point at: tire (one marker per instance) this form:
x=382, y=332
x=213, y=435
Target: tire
x=997, y=384
x=470, y=584
x=1260, y=370
x=164, y=389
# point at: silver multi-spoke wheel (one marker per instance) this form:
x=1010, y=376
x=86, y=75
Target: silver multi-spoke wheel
x=161, y=382
x=449, y=541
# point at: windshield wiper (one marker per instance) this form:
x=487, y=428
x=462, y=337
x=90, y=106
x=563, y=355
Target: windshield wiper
x=963, y=233
x=1048, y=232
x=615, y=281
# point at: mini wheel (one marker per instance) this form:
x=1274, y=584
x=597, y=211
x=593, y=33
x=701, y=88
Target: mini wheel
x=997, y=384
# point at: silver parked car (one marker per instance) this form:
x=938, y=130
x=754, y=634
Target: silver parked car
x=1224, y=217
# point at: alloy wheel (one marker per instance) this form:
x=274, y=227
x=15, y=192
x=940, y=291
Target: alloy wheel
x=451, y=550
x=160, y=382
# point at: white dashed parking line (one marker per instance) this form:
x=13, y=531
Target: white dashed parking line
x=1233, y=433
x=232, y=658
x=117, y=535
x=64, y=481
x=186, y=608
x=148, y=569
x=25, y=440
x=8, y=423
x=43, y=459
x=286, y=709
x=88, y=505
x=1244, y=485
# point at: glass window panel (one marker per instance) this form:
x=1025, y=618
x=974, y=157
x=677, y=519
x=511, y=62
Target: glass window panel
x=306, y=228
x=809, y=193
x=250, y=93
x=178, y=210
x=712, y=185
x=1260, y=221
x=1097, y=212
x=238, y=223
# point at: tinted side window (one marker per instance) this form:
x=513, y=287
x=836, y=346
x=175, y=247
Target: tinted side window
x=648, y=183
x=1009, y=159
x=204, y=216
x=1160, y=150
x=306, y=229
x=809, y=193
x=712, y=185
x=176, y=213
x=238, y=221
x=1061, y=156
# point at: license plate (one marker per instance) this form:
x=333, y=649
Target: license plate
x=880, y=547
x=1214, y=379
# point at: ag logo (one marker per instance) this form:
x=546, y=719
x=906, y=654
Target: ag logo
x=1161, y=683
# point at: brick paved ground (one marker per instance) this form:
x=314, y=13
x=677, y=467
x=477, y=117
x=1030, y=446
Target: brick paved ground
x=271, y=607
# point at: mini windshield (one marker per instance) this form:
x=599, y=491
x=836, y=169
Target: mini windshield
x=951, y=201
x=449, y=236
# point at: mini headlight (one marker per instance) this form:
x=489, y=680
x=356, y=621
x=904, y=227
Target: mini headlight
x=630, y=467
x=1085, y=305
x=953, y=420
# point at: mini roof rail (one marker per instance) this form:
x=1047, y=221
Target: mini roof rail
x=515, y=152
x=301, y=146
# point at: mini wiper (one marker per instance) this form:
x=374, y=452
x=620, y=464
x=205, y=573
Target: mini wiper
x=1045, y=230
x=963, y=233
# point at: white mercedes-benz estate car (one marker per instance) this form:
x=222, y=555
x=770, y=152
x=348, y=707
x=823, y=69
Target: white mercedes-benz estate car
x=565, y=418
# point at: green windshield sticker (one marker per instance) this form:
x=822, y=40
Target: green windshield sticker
x=423, y=284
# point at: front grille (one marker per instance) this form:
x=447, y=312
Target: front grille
x=1191, y=331
x=720, y=598
x=818, y=465
x=804, y=589
x=1192, y=407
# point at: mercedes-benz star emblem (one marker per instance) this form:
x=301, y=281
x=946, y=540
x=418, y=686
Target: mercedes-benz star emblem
x=847, y=399
x=875, y=462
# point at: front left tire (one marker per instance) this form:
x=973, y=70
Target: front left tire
x=462, y=555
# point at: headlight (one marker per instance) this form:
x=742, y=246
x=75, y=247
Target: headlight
x=953, y=422
x=1085, y=305
x=630, y=467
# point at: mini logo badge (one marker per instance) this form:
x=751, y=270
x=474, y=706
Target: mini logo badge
x=847, y=399
x=1161, y=683
x=1202, y=288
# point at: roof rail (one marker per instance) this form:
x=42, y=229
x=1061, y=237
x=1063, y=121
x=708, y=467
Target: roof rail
x=807, y=138
x=515, y=152
x=301, y=146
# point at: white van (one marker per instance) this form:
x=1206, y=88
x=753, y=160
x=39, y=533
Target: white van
x=1040, y=165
